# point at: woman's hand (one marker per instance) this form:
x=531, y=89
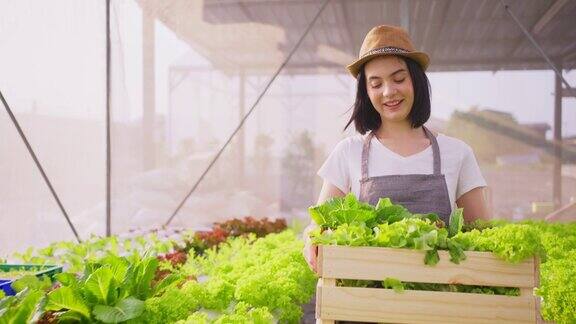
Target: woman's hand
x=311, y=255
x=310, y=250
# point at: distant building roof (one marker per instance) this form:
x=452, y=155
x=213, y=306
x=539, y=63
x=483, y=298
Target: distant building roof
x=511, y=129
x=542, y=127
x=499, y=113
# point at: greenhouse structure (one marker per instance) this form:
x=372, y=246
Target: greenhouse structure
x=288, y=161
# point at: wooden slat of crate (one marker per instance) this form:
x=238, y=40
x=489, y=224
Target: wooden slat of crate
x=385, y=305
x=374, y=263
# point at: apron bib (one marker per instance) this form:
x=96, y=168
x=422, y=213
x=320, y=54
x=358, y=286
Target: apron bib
x=419, y=193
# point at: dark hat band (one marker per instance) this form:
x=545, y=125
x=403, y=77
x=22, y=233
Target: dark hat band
x=386, y=50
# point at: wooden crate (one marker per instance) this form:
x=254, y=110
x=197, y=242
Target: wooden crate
x=412, y=306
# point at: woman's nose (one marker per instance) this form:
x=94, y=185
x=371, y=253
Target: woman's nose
x=388, y=90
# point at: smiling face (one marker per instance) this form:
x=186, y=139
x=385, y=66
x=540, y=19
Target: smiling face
x=389, y=87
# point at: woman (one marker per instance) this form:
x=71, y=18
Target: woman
x=396, y=156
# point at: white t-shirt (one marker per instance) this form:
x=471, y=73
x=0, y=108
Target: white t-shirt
x=458, y=164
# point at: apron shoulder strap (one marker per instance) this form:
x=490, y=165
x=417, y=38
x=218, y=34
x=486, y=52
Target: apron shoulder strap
x=365, y=153
x=435, y=151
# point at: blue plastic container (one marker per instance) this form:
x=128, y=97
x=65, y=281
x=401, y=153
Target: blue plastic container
x=6, y=286
x=38, y=271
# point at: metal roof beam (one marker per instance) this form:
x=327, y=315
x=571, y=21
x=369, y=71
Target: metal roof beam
x=541, y=23
x=569, y=54
x=235, y=2
x=554, y=67
x=548, y=16
x=428, y=27
x=405, y=15
x=245, y=11
x=488, y=64
x=346, y=18
x=225, y=3
x=431, y=47
x=568, y=93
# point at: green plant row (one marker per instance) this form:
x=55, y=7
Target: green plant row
x=245, y=280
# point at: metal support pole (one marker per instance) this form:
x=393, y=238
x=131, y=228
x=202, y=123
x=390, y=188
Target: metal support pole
x=148, y=91
x=559, y=79
x=538, y=47
x=322, y=7
x=108, y=130
x=241, y=135
x=39, y=166
x=557, y=183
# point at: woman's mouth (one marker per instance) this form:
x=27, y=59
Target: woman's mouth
x=393, y=104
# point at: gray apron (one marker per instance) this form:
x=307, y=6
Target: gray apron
x=419, y=193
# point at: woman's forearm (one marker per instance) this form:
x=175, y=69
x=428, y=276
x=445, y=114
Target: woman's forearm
x=474, y=204
x=329, y=191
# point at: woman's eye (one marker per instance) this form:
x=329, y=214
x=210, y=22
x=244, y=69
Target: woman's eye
x=375, y=86
x=399, y=81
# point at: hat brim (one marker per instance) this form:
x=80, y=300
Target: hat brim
x=420, y=57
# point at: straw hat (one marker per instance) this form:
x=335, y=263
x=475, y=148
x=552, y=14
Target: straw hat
x=387, y=40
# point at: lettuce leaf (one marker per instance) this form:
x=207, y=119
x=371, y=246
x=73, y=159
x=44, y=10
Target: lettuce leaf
x=65, y=298
x=456, y=222
x=341, y=210
x=101, y=287
x=124, y=310
x=432, y=257
x=391, y=283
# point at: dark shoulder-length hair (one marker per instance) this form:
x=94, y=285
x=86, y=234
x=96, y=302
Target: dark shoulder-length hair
x=366, y=118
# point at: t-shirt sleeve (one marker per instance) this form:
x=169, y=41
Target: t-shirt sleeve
x=335, y=169
x=470, y=176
